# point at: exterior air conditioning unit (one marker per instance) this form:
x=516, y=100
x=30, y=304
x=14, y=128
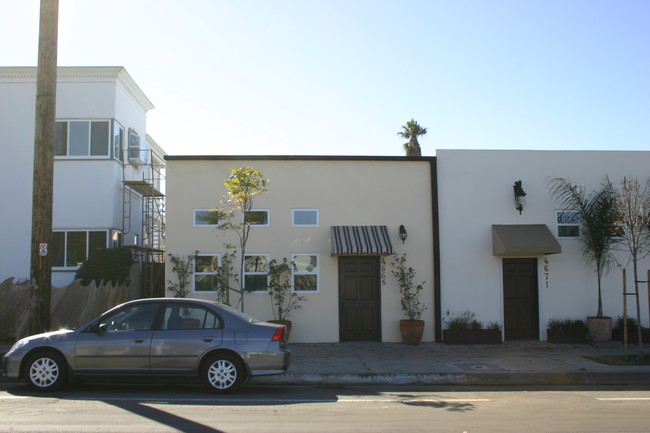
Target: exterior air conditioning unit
x=135, y=150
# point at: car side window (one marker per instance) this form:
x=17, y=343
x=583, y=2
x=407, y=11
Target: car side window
x=134, y=318
x=189, y=317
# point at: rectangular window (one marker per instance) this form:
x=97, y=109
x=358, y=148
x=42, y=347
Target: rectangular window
x=257, y=217
x=304, y=218
x=71, y=248
x=82, y=138
x=118, y=142
x=568, y=224
x=256, y=272
x=305, y=272
x=205, y=218
x=206, y=267
x=183, y=316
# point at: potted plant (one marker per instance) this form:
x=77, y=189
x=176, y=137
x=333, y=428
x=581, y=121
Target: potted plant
x=463, y=328
x=598, y=214
x=566, y=331
x=283, y=300
x=412, y=327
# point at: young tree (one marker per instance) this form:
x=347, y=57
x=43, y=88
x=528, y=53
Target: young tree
x=411, y=131
x=597, y=214
x=243, y=185
x=634, y=212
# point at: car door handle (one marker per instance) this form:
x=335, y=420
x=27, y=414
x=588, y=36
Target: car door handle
x=139, y=340
x=208, y=339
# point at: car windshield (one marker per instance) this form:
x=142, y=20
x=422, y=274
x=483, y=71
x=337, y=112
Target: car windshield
x=243, y=316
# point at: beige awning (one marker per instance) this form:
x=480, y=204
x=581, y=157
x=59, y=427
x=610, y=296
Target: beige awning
x=523, y=240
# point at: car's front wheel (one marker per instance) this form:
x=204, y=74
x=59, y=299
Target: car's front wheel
x=46, y=371
x=223, y=373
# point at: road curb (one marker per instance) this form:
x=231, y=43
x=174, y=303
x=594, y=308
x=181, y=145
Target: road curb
x=487, y=379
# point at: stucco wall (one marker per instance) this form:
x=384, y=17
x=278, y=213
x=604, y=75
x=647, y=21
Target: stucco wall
x=346, y=192
x=476, y=191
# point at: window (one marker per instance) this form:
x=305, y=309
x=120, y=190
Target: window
x=182, y=316
x=82, y=138
x=257, y=217
x=305, y=272
x=256, y=273
x=205, y=218
x=71, y=248
x=304, y=218
x=134, y=318
x=206, y=268
x=568, y=224
x=118, y=142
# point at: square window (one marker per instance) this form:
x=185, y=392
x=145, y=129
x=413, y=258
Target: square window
x=206, y=268
x=256, y=273
x=305, y=273
x=304, y=218
x=206, y=218
x=568, y=224
x=257, y=217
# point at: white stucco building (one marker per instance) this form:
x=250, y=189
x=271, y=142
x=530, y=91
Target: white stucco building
x=108, y=173
x=525, y=281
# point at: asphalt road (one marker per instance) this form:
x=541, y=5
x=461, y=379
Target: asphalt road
x=187, y=408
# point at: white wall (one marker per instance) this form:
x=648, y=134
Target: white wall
x=476, y=191
x=347, y=192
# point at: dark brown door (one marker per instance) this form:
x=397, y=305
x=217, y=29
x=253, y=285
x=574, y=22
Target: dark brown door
x=520, y=293
x=359, y=303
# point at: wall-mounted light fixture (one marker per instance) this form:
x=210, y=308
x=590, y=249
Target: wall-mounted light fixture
x=520, y=196
x=402, y=233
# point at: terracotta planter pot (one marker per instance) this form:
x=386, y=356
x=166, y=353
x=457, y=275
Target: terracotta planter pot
x=286, y=323
x=600, y=328
x=472, y=336
x=412, y=331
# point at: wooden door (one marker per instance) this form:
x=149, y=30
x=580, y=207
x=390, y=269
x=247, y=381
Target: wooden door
x=359, y=298
x=521, y=305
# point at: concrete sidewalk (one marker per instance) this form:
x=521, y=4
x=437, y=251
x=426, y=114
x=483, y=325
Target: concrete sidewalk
x=510, y=363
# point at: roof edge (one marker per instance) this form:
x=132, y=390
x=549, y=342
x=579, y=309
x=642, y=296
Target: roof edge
x=296, y=158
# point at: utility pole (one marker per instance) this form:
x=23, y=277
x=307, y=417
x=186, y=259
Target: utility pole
x=42, y=195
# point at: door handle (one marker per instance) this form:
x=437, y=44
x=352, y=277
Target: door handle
x=208, y=339
x=139, y=340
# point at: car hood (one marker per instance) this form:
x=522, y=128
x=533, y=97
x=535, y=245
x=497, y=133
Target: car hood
x=61, y=335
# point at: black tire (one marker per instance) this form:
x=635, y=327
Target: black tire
x=46, y=371
x=223, y=373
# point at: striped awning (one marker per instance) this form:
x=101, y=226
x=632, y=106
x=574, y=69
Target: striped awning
x=356, y=240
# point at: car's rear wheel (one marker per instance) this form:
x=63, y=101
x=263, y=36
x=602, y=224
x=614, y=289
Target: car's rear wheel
x=223, y=373
x=46, y=371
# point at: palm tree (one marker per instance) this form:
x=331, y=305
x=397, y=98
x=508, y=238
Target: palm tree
x=598, y=216
x=411, y=131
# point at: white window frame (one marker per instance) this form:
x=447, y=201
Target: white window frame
x=194, y=223
x=295, y=273
x=558, y=224
x=109, y=140
x=244, y=273
x=268, y=218
x=195, y=273
x=293, y=218
x=65, y=245
x=117, y=150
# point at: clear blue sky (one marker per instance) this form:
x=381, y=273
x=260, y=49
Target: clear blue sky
x=340, y=77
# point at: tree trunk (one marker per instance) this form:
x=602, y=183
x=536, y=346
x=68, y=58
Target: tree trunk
x=41, y=263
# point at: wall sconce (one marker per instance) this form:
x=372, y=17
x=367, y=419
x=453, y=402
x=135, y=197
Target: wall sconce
x=520, y=195
x=402, y=233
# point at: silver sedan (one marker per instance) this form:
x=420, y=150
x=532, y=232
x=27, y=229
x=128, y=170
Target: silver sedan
x=164, y=337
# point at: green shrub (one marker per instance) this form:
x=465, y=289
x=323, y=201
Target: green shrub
x=567, y=325
x=106, y=264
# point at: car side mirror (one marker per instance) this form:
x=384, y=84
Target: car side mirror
x=98, y=327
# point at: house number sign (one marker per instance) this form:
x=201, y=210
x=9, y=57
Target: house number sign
x=546, y=271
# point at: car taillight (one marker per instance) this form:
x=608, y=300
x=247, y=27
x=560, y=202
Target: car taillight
x=279, y=334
